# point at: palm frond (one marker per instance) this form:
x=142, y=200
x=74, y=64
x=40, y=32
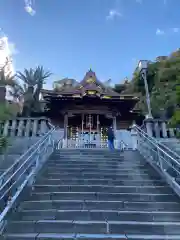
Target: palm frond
x=27, y=77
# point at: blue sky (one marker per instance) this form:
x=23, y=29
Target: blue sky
x=70, y=36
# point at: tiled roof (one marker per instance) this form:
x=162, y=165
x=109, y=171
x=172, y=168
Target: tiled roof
x=89, y=83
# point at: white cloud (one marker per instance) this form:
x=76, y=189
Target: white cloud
x=29, y=7
x=113, y=13
x=160, y=32
x=175, y=30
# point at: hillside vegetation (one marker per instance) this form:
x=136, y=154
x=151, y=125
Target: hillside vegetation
x=164, y=86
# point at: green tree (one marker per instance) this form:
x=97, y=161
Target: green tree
x=162, y=75
x=33, y=80
x=175, y=120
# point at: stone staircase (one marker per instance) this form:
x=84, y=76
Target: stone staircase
x=18, y=146
x=97, y=194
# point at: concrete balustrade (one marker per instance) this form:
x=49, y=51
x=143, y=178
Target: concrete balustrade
x=159, y=128
x=24, y=127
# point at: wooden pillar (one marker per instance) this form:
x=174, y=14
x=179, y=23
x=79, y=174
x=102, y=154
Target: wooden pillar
x=114, y=125
x=90, y=127
x=98, y=123
x=114, y=129
x=65, y=141
x=82, y=129
x=65, y=125
x=98, y=137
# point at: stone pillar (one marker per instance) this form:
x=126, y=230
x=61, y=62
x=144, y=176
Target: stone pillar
x=149, y=127
x=13, y=128
x=35, y=127
x=134, y=138
x=28, y=128
x=6, y=128
x=171, y=132
x=43, y=126
x=20, y=128
x=157, y=129
x=164, y=129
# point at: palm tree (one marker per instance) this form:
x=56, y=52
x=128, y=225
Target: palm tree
x=41, y=75
x=33, y=80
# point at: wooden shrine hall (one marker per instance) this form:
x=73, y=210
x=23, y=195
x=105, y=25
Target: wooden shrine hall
x=86, y=109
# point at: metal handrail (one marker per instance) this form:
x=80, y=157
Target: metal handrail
x=163, y=162
x=15, y=179
x=23, y=155
x=169, y=150
x=153, y=141
x=172, y=153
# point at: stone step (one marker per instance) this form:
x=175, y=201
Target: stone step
x=94, y=160
x=87, y=151
x=101, y=168
x=89, y=154
x=91, y=195
x=66, y=164
x=102, y=188
x=96, y=170
x=54, y=236
x=97, y=181
x=97, y=165
x=103, y=205
x=142, y=176
x=38, y=196
x=93, y=227
x=97, y=215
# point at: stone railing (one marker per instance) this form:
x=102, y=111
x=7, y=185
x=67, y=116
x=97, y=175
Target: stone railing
x=24, y=127
x=158, y=128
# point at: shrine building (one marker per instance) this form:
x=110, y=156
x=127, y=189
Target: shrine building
x=85, y=111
